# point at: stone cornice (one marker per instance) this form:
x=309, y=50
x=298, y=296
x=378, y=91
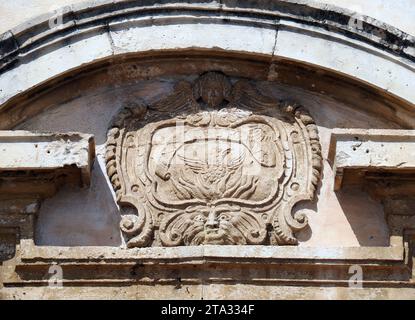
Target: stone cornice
x=79, y=18
x=383, y=163
x=358, y=154
x=32, y=167
x=35, y=157
x=270, y=254
x=385, y=267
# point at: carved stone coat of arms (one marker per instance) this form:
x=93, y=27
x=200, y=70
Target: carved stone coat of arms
x=215, y=162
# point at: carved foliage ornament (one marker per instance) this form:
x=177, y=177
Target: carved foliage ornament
x=213, y=163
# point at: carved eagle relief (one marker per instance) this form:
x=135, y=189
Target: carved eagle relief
x=213, y=163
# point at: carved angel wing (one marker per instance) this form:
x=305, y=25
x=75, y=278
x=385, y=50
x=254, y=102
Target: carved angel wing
x=194, y=164
x=246, y=96
x=179, y=101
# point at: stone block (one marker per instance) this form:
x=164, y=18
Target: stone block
x=359, y=151
x=37, y=153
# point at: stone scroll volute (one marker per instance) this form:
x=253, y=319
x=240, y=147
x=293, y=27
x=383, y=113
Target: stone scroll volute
x=215, y=162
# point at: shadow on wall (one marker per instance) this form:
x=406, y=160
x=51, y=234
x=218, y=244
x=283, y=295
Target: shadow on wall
x=347, y=218
x=79, y=217
x=308, y=208
x=305, y=207
x=368, y=223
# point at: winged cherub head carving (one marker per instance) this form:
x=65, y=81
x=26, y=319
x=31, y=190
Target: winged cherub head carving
x=212, y=88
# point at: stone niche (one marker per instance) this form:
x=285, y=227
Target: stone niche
x=203, y=167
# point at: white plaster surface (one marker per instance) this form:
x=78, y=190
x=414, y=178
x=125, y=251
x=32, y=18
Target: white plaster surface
x=15, y=12
x=399, y=14
x=53, y=63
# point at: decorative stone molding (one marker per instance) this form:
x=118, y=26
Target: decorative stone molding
x=97, y=13
x=213, y=163
x=37, y=155
x=358, y=155
x=383, y=162
x=383, y=267
x=32, y=167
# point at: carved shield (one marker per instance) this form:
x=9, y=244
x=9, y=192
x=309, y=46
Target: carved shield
x=213, y=163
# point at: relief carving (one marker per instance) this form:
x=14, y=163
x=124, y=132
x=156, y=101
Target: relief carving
x=213, y=163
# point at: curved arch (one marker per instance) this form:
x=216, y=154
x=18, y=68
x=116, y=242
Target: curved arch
x=282, y=38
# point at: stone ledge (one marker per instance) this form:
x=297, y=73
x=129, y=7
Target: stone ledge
x=295, y=266
x=355, y=152
x=30, y=254
x=34, y=154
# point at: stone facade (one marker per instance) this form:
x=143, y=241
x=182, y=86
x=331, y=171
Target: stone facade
x=207, y=151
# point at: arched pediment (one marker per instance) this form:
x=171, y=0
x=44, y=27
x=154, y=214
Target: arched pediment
x=299, y=44
x=222, y=141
